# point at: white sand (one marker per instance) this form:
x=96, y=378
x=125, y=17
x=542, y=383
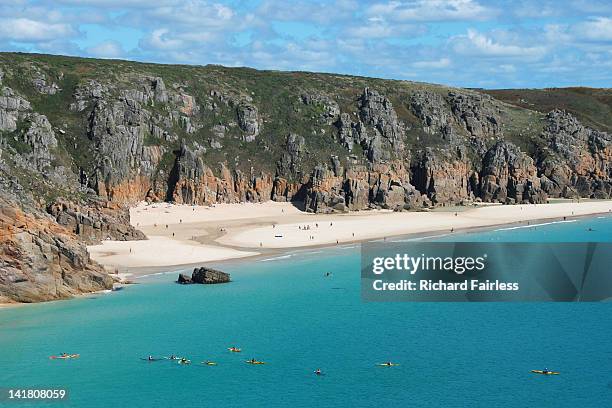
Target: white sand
x=159, y=251
x=180, y=234
x=165, y=213
x=359, y=227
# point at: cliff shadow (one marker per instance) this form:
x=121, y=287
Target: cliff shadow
x=173, y=177
x=299, y=204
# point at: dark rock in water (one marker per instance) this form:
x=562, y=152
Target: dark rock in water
x=205, y=276
x=209, y=276
x=183, y=278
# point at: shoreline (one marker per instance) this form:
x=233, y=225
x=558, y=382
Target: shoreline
x=230, y=232
x=135, y=273
x=275, y=252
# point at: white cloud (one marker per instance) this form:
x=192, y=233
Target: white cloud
x=376, y=29
x=476, y=44
x=434, y=64
x=116, y=3
x=25, y=30
x=432, y=10
x=161, y=39
x=190, y=14
x=321, y=12
x=106, y=49
x=596, y=29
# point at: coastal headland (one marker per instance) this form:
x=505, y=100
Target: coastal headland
x=83, y=140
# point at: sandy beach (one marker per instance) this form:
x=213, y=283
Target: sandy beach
x=188, y=235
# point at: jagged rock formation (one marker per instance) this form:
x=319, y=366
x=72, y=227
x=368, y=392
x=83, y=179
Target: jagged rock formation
x=477, y=113
x=575, y=161
x=96, y=222
x=508, y=175
x=80, y=140
x=248, y=120
x=443, y=177
x=40, y=260
x=193, y=182
x=204, y=275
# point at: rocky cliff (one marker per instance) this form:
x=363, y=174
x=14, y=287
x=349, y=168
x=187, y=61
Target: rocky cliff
x=85, y=138
x=41, y=260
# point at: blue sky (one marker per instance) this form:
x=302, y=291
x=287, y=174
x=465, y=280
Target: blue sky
x=471, y=43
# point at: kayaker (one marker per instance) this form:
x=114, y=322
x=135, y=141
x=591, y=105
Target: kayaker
x=253, y=360
x=150, y=358
x=318, y=371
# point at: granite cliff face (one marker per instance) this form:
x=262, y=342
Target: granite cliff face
x=40, y=260
x=82, y=139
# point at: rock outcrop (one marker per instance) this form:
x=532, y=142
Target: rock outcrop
x=248, y=120
x=575, y=161
x=41, y=261
x=193, y=182
x=96, y=222
x=477, y=113
x=386, y=138
x=510, y=176
x=204, y=275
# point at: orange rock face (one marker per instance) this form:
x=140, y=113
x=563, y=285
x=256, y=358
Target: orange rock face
x=41, y=260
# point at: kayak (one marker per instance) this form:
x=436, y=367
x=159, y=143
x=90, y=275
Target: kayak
x=545, y=372
x=66, y=357
x=153, y=359
x=184, y=361
x=234, y=350
x=387, y=365
x=254, y=362
x=210, y=363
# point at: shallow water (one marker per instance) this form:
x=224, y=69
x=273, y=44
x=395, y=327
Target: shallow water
x=285, y=312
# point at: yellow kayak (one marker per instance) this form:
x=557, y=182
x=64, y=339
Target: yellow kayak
x=210, y=363
x=254, y=362
x=387, y=364
x=545, y=372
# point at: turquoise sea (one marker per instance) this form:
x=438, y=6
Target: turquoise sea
x=282, y=310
